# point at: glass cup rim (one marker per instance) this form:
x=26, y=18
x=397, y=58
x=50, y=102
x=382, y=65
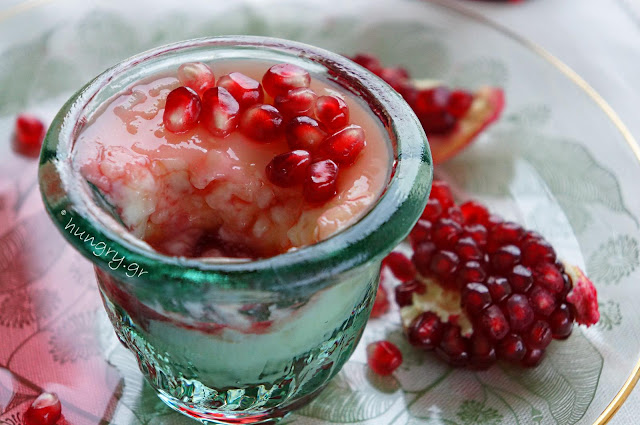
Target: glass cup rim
x=370, y=237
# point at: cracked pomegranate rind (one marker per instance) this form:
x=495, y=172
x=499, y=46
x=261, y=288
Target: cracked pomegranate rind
x=485, y=289
x=451, y=118
x=211, y=171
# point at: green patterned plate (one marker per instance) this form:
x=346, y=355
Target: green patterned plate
x=558, y=161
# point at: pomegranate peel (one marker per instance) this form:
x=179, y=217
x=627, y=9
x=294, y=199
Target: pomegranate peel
x=583, y=296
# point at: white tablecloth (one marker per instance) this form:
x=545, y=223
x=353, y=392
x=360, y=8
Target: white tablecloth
x=600, y=40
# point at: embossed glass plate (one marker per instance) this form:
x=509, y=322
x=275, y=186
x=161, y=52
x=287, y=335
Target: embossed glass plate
x=557, y=161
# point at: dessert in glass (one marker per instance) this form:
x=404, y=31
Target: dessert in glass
x=236, y=196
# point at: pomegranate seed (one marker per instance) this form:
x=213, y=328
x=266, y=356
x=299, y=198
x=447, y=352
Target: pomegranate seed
x=381, y=303
x=219, y=112
x=512, y=348
x=446, y=232
x=432, y=100
x=568, y=286
x=539, y=336
x=404, y=292
x=482, y=352
x=561, y=322
x=262, y=123
x=453, y=347
x=425, y=331
x=531, y=235
x=396, y=77
x=474, y=212
x=245, y=90
x=459, y=103
x=281, y=78
x=422, y=256
x=45, y=410
x=455, y=214
x=332, y=112
x=296, y=103
x=535, y=251
x=29, y=134
x=383, y=357
x=477, y=232
x=304, y=133
x=401, y=266
x=197, y=76
x=344, y=146
x=542, y=301
x=471, y=271
x=432, y=210
x=440, y=190
x=420, y=232
x=288, y=169
x=437, y=122
x=182, y=110
x=499, y=288
x=520, y=278
x=519, y=312
x=493, y=323
x=444, y=264
x=505, y=258
x=467, y=249
x=532, y=358
x=368, y=61
x=493, y=220
x=549, y=277
x=505, y=233
x=320, y=183
x=475, y=298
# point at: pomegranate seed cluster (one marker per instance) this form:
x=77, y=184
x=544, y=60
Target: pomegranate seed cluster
x=319, y=135
x=513, y=295
x=438, y=108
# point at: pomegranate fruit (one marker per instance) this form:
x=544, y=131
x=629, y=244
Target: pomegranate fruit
x=45, y=410
x=451, y=118
x=383, y=357
x=485, y=289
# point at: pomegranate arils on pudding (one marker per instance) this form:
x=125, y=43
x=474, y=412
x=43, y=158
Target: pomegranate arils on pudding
x=245, y=90
x=288, y=169
x=262, y=123
x=474, y=293
x=181, y=110
x=296, y=102
x=320, y=182
x=344, y=146
x=383, y=357
x=451, y=119
x=197, y=76
x=281, y=78
x=332, y=112
x=219, y=111
x=45, y=410
x=29, y=134
x=304, y=133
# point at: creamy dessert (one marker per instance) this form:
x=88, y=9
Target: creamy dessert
x=240, y=159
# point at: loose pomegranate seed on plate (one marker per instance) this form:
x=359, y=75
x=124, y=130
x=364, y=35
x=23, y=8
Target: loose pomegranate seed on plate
x=332, y=112
x=281, y=78
x=45, y=410
x=383, y=357
x=197, y=76
x=29, y=134
x=474, y=273
x=320, y=182
x=181, y=110
x=289, y=168
x=344, y=146
x=219, y=111
x=262, y=123
x=245, y=90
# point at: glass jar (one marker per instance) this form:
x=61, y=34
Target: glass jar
x=237, y=341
